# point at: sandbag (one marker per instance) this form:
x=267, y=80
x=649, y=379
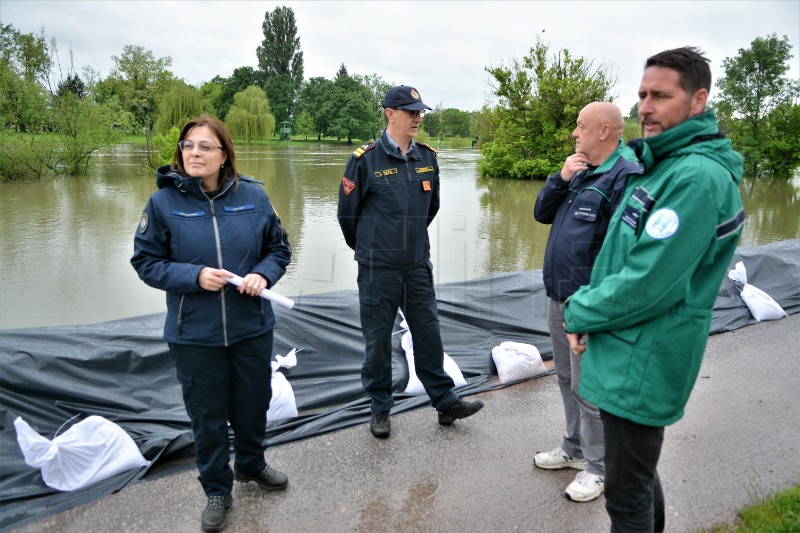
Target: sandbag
x=414, y=385
x=760, y=304
x=283, y=403
x=516, y=361
x=92, y=450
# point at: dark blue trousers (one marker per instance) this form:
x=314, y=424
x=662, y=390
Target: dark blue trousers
x=634, y=499
x=381, y=292
x=220, y=385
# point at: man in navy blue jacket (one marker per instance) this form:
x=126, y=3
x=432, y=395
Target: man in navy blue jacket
x=387, y=198
x=578, y=201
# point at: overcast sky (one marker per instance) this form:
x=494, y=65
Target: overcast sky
x=441, y=48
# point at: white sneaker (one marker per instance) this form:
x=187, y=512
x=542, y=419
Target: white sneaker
x=557, y=459
x=585, y=488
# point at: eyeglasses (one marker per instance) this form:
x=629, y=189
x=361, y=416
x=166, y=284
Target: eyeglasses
x=204, y=146
x=412, y=114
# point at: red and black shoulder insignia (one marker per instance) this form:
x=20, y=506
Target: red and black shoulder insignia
x=429, y=147
x=361, y=150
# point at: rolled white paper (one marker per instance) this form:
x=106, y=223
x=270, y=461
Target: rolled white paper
x=267, y=294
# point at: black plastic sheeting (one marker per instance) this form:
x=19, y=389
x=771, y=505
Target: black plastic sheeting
x=122, y=369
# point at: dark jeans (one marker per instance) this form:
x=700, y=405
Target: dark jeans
x=634, y=499
x=222, y=384
x=381, y=292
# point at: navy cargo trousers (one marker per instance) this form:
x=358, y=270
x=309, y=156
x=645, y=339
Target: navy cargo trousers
x=381, y=292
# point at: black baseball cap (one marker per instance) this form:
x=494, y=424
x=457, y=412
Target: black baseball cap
x=404, y=97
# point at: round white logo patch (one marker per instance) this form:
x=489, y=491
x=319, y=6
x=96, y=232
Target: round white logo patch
x=144, y=222
x=662, y=224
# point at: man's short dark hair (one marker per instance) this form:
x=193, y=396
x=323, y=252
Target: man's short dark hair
x=689, y=62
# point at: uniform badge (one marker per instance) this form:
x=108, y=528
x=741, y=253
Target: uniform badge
x=662, y=224
x=144, y=222
x=414, y=94
x=426, y=185
x=348, y=186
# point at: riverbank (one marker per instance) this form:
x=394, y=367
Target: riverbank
x=737, y=442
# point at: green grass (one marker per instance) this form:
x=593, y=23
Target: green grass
x=778, y=513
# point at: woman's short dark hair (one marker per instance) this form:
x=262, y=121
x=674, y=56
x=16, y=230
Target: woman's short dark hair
x=692, y=67
x=221, y=132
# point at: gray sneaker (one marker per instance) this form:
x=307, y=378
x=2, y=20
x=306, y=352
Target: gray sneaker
x=215, y=515
x=558, y=459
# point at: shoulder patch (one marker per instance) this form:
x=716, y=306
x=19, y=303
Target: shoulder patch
x=429, y=147
x=144, y=222
x=361, y=150
x=347, y=186
x=662, y=224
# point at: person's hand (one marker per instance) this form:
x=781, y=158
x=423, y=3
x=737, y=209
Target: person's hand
x=253, y=284
x=574, y=164
x=213, y=279
x=577, y=342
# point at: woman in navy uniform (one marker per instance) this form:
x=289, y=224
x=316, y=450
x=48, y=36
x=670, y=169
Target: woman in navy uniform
x=204, y=224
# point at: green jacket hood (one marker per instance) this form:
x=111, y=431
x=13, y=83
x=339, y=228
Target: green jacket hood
x=696, y=135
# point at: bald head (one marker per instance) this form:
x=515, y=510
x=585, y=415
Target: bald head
x=599, y=131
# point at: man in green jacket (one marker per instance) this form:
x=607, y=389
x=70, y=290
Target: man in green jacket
x=648, y=306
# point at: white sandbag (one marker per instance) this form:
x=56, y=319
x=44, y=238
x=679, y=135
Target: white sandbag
x=414, y=385
x=760, y=304
x=92, y=450
x=516, y=361
x=283, y=403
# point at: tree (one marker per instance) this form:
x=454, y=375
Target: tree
x=281, y=95
x=250, y=116
x=781, y=151
x=313, y=95
x=138, y=79
x=753, y=88
x=241, y=79
x=33, y=98
x=212, y=95
x=539, y=101
x=304, y=124
x=433, y=121
x=180, y=104
x=455, y=123
x=85, y=127
x=72, y=84
x=349, y=109
x=279, y=52
x=24, y=76
x=377, y=89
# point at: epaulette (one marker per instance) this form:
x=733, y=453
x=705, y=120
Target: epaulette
x=364, y=148
x=429, y=147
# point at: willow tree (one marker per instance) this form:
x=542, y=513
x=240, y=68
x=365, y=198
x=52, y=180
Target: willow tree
x=249, y=117
x=178, y=105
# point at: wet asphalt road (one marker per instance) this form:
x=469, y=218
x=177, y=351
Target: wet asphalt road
x=738, y=441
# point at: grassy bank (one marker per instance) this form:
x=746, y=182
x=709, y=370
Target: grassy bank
x=778, y=513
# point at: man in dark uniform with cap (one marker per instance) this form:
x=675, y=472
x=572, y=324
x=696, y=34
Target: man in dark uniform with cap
x=387, y=198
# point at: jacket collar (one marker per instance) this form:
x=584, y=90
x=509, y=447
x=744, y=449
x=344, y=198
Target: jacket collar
x=166, y=177
x=653, y=149
x=391, y=147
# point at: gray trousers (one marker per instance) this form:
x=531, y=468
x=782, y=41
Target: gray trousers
x=584, y=436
